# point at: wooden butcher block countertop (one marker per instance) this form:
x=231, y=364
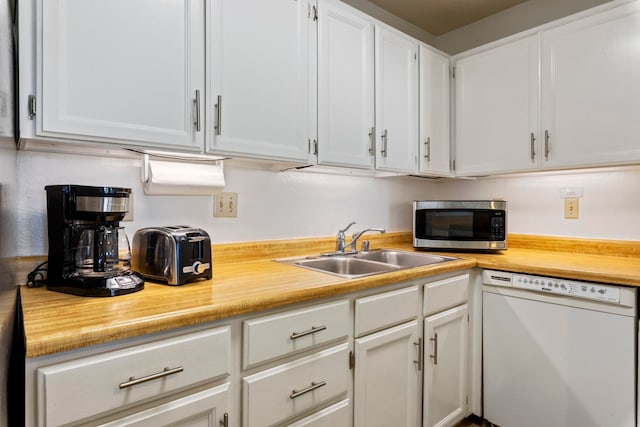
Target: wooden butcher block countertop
x=246, y=280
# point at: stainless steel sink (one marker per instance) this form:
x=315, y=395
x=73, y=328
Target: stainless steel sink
x=402, y=259
x=362, y=264
x=346, y=266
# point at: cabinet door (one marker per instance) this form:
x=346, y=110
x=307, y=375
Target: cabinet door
x=121, y=71
x=386, y=389
x=591, y=90
x=259, y=75
x=497, y=109
x=345, y=86
x=396, y=100
x=434, y=112
x=203, y=409
x=445, y=356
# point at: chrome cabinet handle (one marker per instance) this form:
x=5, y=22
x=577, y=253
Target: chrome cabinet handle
x=383, y=137
x=533, y=147
x=313, y=330
x=427, y=149
x=434, y=356
x=197, y=105
x=165, y=373
x=372, y=140
x=218, y=126
x=547, y=145
x=313, y=386
x=419, y=349
x=224, y=422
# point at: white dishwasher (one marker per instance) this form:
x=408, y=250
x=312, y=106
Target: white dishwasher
x=558, y=353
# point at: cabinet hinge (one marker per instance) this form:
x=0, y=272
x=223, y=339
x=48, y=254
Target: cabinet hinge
x=312, y=12
x=31, y=101
x=467, y=318
x=453, y=165
x=352, y=360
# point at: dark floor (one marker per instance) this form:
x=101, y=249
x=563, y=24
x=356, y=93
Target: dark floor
x=474, y=421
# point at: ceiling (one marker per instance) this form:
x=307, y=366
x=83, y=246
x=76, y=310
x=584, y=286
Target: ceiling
x=441, y=16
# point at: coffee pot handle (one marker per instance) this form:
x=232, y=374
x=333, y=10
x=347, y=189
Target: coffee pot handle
x=99, y=250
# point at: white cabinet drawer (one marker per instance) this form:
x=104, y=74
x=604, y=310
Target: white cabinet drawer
x=205, y=408
x=387, y=309
x=286, y=390
x=268, y=337
x=337, y=415
x=88, y=386
x=445, y=294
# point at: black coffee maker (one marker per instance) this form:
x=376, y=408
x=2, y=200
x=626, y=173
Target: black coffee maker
x=89, y=253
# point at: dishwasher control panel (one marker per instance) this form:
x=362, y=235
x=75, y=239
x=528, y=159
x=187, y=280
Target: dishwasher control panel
x=553, y=285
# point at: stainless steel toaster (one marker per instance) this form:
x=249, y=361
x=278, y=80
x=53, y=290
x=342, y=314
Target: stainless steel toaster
x=173, y=254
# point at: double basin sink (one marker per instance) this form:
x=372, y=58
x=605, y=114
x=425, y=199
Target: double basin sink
x=351, y=266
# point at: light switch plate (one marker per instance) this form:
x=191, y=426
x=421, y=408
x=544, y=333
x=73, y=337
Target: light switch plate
x=225, y=205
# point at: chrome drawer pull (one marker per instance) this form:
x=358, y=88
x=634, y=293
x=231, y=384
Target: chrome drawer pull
x=196, y=102
x=434, y=356
x=313, y=386
x=383, y=137
x=313, y=330
x=419, y=350
x=135, y=381
x=547, y=145
x=218, y=125
x=224, y=422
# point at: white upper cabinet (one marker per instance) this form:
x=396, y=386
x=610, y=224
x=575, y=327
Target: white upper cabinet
x=345, y=86
x=591, y=90
x=259, y=78
x=434, y=112
x=120, y=71
x=496, y=109
x=396, y=74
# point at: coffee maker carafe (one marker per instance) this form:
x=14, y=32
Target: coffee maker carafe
x=89, y=252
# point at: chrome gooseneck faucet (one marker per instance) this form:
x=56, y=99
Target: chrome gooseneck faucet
x=340, y=239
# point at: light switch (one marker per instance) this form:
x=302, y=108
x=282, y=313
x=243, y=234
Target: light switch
x=225, y=205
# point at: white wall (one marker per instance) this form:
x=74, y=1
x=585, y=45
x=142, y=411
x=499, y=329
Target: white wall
x=610, y=208
x=271, y=205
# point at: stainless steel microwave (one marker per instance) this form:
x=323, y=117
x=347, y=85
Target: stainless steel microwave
x=460, y=224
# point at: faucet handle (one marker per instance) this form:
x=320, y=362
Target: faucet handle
x=365, y=246
x=347, y=227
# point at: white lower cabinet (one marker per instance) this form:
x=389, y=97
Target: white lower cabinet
x=445, y=390
x=297, y=364
x=387, y=362
x=103, y=384
x=284, y=391
x=386, y=391
x=359, y=360
x=446, y=343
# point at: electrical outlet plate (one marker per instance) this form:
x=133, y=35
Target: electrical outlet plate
x=571, y=208
x=225, y=205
